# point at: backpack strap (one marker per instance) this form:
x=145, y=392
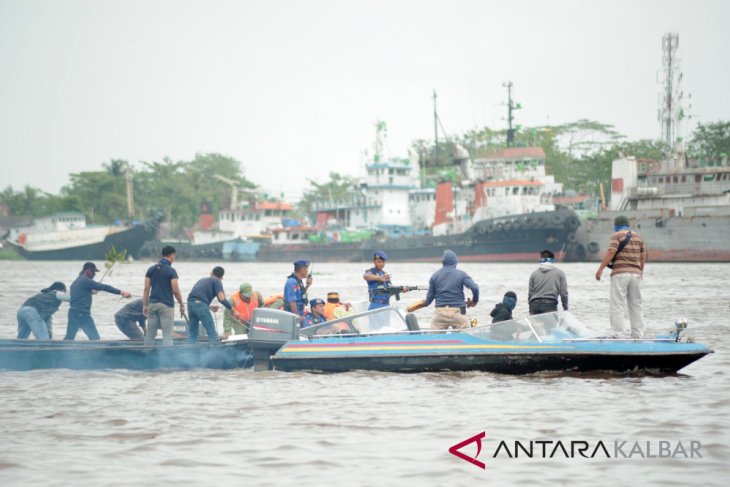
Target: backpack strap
x=621, y=245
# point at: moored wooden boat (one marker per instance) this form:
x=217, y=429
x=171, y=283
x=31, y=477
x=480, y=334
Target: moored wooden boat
x=122, y=354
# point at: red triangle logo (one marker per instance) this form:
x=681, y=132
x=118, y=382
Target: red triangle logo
x=454, y=450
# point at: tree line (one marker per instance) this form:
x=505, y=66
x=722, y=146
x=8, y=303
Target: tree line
x=578, y=154
x=174, y=190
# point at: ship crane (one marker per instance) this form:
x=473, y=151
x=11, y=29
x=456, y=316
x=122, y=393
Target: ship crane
x=235, y=189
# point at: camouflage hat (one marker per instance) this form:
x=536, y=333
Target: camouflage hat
x=246, y=290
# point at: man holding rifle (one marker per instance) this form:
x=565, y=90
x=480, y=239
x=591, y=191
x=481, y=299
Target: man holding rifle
x=379, y=282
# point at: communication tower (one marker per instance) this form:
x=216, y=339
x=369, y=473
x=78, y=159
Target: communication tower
x=671, y=111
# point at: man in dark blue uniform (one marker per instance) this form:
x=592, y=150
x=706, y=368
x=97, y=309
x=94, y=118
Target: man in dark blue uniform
x=79, y=312
x=295, y=292
x=316, y=306
x=376, y=278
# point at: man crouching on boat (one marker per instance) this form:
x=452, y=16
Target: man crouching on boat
x=79, y=312
x=446, y=287
x=36, y=313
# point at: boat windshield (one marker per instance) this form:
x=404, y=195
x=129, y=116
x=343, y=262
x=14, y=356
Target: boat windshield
x=546, y=327
x=383, y=320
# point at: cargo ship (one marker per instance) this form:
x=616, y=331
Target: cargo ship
x=500, y=211
x=680, y=206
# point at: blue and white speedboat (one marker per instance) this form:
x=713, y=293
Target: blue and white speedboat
x=389, y=340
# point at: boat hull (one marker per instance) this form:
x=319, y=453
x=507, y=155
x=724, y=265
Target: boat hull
x=517, y=238
x=92, y=355
x=513, y=364
x=131, y=240
x=463, y=351
x=704, y=238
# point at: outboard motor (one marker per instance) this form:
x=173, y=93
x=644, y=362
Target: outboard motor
x=679, y=326
x=269, y=330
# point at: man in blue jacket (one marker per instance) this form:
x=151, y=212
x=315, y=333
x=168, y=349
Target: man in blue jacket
x=79, y=312
x=446, y=287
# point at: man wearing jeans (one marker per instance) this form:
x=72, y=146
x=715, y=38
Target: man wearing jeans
x=160, y=285
x=79, y=312
x=36, y=313
x=199, y=307
x=627, y=253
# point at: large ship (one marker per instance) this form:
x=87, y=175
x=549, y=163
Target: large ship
x=66, y=236
x=680, y=206
x=501, y=210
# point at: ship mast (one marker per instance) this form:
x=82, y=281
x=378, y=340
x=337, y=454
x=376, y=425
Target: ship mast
x=511, y=107
x=130, y=193
x=435, y=129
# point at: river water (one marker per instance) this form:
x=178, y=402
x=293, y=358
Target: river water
x=203, y=427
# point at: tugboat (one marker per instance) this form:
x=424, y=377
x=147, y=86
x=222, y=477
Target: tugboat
x=500, y=209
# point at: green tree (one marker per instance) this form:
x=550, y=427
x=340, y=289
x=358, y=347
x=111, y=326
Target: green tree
x=31, y=201
x=711, y=142
x=339, y=188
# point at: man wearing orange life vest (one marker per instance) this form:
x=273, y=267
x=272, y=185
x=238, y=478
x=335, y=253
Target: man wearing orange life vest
x=333, y=308
x=245, y=300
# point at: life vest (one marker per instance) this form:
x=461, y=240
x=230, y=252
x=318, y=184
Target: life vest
x=244, y=308
x=329, y=310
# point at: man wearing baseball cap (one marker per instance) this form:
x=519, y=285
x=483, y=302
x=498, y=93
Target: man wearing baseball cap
x=79, y=312
x=376, y=277
x=316, y=316
x=245, y=301
x=295, y=291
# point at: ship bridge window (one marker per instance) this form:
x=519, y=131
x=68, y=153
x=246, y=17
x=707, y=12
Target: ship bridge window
x=709, y=177
x=698, y=178
x=661, y=180
x=516, y=190
x=675, y=179
x=684, y=178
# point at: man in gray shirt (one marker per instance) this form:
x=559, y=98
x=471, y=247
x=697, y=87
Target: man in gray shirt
x=547, y=283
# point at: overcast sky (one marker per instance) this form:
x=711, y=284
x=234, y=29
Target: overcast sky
x=293, y=88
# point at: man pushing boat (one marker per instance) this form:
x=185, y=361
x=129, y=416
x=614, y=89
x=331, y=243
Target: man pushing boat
x=79, y=313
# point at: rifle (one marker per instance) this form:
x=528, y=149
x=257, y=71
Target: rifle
x=397, y=290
